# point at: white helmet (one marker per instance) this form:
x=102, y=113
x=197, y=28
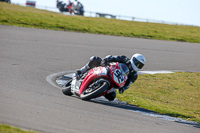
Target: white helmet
x=137, y=61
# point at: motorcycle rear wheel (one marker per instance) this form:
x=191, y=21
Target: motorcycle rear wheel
x=87, y=96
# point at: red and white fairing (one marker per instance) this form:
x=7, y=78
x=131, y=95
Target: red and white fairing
x=117, y=77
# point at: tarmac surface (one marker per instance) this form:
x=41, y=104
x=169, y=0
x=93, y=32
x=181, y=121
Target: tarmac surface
x=27, y=100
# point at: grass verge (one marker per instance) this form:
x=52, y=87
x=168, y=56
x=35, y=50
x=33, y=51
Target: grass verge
x=31, y=17
x=10, y=129
x=176, y=94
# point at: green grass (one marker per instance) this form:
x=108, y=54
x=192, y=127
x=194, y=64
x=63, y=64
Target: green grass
x=176, y=94
x=10, y=129
x=31, y=17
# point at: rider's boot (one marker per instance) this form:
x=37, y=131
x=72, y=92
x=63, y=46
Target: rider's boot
x=81, y=71
x=93, y=62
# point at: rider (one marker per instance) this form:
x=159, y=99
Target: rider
x=70, y=4
x=134, y=64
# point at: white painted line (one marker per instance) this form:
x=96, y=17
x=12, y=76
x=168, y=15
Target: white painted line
x=154, y=72
x=51, y=79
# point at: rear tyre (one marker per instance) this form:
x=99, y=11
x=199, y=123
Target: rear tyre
x=87, y=96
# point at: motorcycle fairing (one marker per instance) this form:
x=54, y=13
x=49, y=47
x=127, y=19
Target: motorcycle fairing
x=75, y=85
x=93, y=74
x=116, y=74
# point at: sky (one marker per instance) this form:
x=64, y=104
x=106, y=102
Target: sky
x=173, y=11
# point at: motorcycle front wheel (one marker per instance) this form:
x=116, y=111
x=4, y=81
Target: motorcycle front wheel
x=90, y=93
x=67, y=88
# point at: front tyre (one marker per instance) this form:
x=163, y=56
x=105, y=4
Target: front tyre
x=67, y=88
x=87, y=95
x=67, y=91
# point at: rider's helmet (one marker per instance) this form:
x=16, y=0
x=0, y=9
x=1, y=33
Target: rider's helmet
x=137, y=61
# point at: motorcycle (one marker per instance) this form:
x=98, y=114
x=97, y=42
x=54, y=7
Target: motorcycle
x=97, y=82
x=8, y=1
x=77, y=9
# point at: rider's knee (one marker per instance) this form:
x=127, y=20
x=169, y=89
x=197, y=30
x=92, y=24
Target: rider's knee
x=110, y=96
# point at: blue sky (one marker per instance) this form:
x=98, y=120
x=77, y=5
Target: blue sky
x=177, y=11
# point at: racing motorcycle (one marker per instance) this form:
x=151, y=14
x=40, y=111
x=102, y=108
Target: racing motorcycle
x=76, y=9
x=98, y=81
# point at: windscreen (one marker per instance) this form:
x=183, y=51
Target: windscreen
x=124, y=69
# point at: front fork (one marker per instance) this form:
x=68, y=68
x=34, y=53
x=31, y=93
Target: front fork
x=75, y=85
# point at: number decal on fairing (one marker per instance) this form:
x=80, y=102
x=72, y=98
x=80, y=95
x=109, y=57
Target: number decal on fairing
x=118, y=76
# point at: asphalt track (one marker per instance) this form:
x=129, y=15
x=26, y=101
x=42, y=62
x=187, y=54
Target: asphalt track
x=27, y=100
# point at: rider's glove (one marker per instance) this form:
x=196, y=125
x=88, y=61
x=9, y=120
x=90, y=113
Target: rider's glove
x=78, y=74
x=104, y=63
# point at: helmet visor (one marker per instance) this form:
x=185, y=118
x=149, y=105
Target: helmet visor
x=137, y=63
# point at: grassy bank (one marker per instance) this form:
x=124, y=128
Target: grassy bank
x=31, y=17
x=10, y=129
x=176, y=94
